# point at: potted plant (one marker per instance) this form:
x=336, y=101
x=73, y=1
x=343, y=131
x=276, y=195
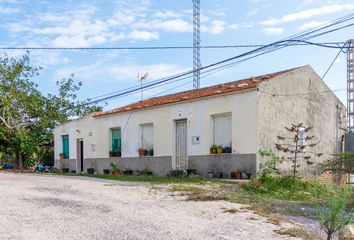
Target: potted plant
x=115, y=153
x=146, y=171
x=141, y=152
x=213, y=149
x=115, y=169
x=61, y=156
x=90, y=169
x=238, y=174
x=128, y=172
x=227, y=150
x=219, y=149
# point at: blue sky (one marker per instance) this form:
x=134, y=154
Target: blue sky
x=137, y=23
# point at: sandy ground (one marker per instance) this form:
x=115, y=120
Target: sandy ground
x=57, y=207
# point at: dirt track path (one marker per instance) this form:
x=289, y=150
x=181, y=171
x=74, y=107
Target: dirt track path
x=56, y=207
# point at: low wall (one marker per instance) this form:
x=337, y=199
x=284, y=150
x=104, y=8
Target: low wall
x=161, y=166
x=68, y=163
x=158, y=165
x=225, y=163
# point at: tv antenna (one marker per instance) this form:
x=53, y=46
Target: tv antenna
x=142, y=77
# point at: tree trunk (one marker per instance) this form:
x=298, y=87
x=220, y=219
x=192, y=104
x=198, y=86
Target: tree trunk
x=20, y=159
x=329, y=236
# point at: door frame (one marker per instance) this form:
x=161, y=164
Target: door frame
x=79, y=155
x=174, y=164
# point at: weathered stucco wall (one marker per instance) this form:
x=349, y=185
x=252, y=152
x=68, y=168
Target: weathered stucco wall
x=225, y=163
x=299, y=96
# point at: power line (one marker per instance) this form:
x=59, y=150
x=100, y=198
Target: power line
x=325, y=44
x=335, y=58
x=302, y=38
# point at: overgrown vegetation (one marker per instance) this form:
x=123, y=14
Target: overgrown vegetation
x=336, y=212
x=271, y=162
x=285, y=188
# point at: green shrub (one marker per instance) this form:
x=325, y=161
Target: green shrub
x=271, y=163
x=336, y=213
x=177, y=174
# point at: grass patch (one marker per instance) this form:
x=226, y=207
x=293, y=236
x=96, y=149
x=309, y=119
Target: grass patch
x=230, y=210
x=149, y=179
x=210, y=191
x=289, y=188
x=297, y=232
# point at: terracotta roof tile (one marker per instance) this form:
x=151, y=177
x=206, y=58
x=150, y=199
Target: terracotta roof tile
x=225, y=88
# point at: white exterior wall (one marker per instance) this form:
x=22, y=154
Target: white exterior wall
x=242, y=106
x=290, y=105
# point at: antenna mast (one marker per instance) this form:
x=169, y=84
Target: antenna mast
x=350, y=84
x=196, y=44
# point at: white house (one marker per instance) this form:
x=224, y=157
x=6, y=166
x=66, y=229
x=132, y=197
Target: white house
x=177, y=131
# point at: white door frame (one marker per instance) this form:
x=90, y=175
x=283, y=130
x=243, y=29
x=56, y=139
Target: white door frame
x=182, y=165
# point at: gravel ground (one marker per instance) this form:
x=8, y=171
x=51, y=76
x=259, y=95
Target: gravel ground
x=57, y=207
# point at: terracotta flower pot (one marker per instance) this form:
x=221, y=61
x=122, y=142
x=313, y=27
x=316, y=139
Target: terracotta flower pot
x=141, y=152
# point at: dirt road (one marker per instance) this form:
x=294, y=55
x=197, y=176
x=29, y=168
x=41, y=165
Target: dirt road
x=57, y=207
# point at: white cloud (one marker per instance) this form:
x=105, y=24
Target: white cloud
x=273, y=31
x=48, y=58
x=233, y=26
x=174, y=25
x=127, y=72
x=312, y=24
x=7, y=10
x=305, y=14
x=252, y=13
x=217, y=27
x=167, y=14
x=143, y=35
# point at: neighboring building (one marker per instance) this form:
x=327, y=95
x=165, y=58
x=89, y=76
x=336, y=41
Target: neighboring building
x=179, y=129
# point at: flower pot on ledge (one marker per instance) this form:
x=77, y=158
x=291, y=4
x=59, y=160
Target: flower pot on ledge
x=141, y=152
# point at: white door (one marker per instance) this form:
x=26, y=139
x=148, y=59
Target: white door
x=181, y=145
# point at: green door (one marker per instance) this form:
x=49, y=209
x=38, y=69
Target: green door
x=65, y=139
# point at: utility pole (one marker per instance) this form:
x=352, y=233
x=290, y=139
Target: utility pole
x=350, y=85
x=196, y=44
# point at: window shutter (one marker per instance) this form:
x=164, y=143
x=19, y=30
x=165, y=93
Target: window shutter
x=65, y=140
x=147, y=137
x=222, y=130
x=116, y=140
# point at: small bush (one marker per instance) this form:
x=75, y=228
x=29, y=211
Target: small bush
x=177, y=174
x=336, y=213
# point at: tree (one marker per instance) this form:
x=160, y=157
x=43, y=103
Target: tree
x=336, y=213
x=28, y=117
x=298, y=145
